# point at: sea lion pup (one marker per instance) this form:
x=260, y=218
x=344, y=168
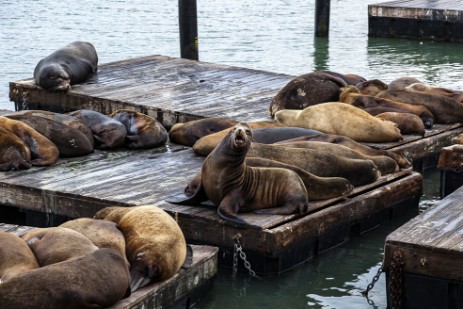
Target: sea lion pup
x=425, y=88
x=306, y=90
x=371, y=87
x=401, y=160
x=15, y=256
x=206, y=144
x=14, y=153
x=189, y=132
x=385, y=164
x=155, y=245
x=72, y=64
x=374, y=105
x=56, y=244
x=43, y=151
x=318, y=188
x=107, y=132
x=102, y=233
x=401, y=83
x=95, y=280
x=143, y=131
x=234, y=187
x=406, y=122
x=445, y=110
x=341, y=119
x=70, y=142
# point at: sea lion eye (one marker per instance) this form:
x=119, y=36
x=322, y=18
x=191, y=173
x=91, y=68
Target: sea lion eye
x=248, y=132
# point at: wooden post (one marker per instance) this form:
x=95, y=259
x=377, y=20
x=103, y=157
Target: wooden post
x=322, y=17
x=188, y=27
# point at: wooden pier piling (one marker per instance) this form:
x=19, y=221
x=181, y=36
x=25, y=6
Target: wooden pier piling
x=188, y=28
x=322, y=18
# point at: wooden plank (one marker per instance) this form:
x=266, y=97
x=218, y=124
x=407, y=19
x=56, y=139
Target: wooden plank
x=449, y=11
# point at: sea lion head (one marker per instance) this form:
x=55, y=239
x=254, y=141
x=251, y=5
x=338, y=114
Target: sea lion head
x=240, y=137
x=371, y=87
x=54, y=77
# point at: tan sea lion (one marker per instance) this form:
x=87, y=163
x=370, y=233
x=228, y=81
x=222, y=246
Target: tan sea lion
x=102, y=233
x=69, y=65
x=95, y=280
x=189, y=132
x=406, y=122
x=143, y=131
x=375, y=105
x=14, y=153
x=155, y=245
x=43, y=151
x=401, y=83
x=341, y=119
x=457, y=139
x=371, y=87
x=56, y=244
x=234, y=187
x=107, y=132
x=71, y=142
x=426, y=88
x=15, y=256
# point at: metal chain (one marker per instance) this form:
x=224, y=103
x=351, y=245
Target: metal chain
x=238, y=250
x=373, y=281
x=396, y=275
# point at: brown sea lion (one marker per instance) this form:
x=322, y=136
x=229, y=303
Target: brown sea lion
x=15, y=256
x=14, y=153
x=69, y=65
x=102, y=233
x=445, y=110
x=375, y=105
x=371, y=87
x=401, y=160
x=234, y=187
x=306, y=90
x=457, y=139
x=56, y=244
x=95, y=280
x=70, y=142
x=108, y=132
x=189, y=132
x=385, y=164
x=341, y=119
x=425, y=88
x=143, y=131
x=406, y=122
x=155, y=245
x=43, y=151
x=401, y=83
x=318, y=188
x=206, y=144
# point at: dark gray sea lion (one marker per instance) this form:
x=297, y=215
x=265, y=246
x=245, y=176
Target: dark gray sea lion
x=350, y=79
x=95, y=280
x=43, y=151
x=234, y=187
x=406, y=122
x=108, y=132
x=189, y=132
x=14, y=153
x=69, y=141
x=143, y=131
x=273, y=135
x=155, y=245
x=15, y=256
x=72, y=64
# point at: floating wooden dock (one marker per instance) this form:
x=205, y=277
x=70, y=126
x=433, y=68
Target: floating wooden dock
x=451, y=169
x=440, y=20
x=182, y=290
x=424, y=258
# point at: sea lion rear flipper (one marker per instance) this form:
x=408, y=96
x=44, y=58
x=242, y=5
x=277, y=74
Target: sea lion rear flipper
x=189, y=258
x=197, y=198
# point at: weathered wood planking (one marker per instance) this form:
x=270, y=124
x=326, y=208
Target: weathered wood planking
x=450, y=164
x=438, y=20
x=431, y=245
x=174, y=291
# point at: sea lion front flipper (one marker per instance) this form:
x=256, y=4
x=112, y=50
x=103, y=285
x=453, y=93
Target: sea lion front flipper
x=228, y=210
x=197, y=198
x=189, y=258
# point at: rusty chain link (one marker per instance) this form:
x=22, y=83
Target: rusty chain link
x=396, y=276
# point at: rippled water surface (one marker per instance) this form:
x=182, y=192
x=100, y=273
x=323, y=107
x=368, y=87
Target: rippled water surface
x=274, y=36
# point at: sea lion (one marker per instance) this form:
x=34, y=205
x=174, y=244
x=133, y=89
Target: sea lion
x=15, y=256
x=95, y=280
x=108, y=132
x=425, y=88
x=406, y=122
x=234, y=187
x=356, y=123
x=445, y=110
x=102, y=233
x=371, y=87
x=207, y=143
x=457, y=139
x=72, y=64
x=306, y=90
x=57, y=244
x=155, y=245
x=375, y=105
x=14, y=153
x=318, y=188
x=143, y=131
x=189, y=132
x=401, y=83
x=43, y=151
x=273, y=135
x=70, y=142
